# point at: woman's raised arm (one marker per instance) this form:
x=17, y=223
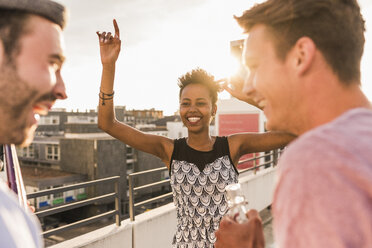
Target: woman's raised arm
x=159, y=146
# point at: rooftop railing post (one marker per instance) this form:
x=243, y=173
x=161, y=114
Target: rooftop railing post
x=275, y=157
x=254, y=163
x=117, y=203
x=131, y=198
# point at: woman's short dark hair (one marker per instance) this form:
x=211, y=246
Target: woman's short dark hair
x=202, y=77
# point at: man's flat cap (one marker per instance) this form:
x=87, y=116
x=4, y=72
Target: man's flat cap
x=53, y=11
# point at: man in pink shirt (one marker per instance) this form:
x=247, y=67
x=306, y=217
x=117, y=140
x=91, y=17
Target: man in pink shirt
x=304, y=62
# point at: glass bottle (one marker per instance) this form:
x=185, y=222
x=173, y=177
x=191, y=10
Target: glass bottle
x=238, y=206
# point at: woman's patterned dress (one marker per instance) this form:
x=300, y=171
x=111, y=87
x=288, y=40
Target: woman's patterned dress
x=198, y=181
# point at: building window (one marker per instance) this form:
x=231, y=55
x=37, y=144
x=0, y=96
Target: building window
x=52, y=152
x=27, y=152
x=129, y=150
x=81, y=119
x=30, y=151
x=49, y=120
x=130, y=167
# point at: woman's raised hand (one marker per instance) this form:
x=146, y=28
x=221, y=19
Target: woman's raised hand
x=109, y=45
x=234, y=85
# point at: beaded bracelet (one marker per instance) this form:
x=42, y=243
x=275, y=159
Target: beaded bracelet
x=103, y=97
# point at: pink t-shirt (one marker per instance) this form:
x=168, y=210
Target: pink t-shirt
x=323, y=198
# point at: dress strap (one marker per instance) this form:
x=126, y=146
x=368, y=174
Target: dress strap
x=177, y=148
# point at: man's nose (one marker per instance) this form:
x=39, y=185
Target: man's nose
x=248, y=87
x=59, y=90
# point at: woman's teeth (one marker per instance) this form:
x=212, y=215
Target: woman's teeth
x=193, y=119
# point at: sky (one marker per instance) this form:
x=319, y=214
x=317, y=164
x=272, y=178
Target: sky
x=161, y=40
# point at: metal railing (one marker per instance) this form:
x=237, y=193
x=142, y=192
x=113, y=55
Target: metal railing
x=272, y=155
x=133, y=190
x=69, y=206
x=273, y=159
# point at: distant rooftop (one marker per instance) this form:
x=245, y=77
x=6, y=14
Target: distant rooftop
x=39, y=172
x=45, y=176
x=163, y=121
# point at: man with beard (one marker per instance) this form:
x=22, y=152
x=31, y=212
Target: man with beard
x=31, y=58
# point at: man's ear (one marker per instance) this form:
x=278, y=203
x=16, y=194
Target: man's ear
x=303, y=54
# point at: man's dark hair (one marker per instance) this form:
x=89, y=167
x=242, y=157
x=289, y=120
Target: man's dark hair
x=336, y=27
x=200, y=76
x=13, y=24
x=14, y=15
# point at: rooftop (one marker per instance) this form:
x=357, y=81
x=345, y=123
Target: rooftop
x=38, y=176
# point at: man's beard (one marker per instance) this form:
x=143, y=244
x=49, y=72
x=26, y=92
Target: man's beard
x=16, y=97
